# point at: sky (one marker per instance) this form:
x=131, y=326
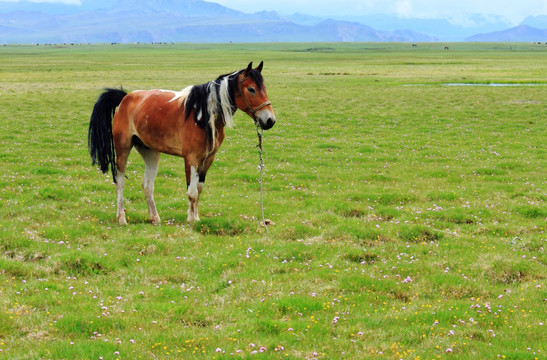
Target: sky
x=78, y=2
x=514, y=11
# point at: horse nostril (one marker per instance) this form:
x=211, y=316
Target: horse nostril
x=267, y=123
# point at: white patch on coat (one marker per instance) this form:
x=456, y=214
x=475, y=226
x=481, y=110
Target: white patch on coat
x=182, y=95
x=179, y=96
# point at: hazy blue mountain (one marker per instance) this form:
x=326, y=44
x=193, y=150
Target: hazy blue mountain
x=539, y=22
x=333, y=30
x=171, y=21
x=204, y=21
x=188, y=8
x=269, y=15
x=517, y=34
x=304, y=19
x=439, y=28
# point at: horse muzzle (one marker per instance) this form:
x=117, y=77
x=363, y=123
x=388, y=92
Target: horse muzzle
x=265, y=119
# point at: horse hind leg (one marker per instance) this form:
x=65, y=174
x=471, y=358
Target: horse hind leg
x=120, y=184
x=123, y=147
x=121, y=162
x=151, y=161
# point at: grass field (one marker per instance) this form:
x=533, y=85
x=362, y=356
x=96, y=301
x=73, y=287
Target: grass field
x=409, y=214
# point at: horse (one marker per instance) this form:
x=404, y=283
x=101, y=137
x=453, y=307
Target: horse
x=188, y=123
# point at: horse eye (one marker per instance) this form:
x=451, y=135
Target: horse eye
x=251, y=90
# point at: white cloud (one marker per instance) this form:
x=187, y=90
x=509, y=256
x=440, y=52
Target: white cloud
x=403, y=8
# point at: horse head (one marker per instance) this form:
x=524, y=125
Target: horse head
x=252, y=97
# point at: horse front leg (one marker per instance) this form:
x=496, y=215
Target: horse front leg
x=195, y=179
x=194, y=190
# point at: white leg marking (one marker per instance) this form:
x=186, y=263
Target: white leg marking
x=151, y=162
x=200, y=189
x=193, y=196
x=193, y=187
x=120, y=184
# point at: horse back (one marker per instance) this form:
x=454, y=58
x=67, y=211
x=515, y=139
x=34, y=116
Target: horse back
x=157, y=118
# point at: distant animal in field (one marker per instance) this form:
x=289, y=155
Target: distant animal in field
x=188, y=123
x=446, y=48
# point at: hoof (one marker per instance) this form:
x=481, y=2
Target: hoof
x=155, y=221
x=267, y=222
x=192, y=219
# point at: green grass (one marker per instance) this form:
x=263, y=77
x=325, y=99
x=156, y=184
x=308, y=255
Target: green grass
x=409, y=215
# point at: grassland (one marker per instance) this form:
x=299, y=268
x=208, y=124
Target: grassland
x=409, y=215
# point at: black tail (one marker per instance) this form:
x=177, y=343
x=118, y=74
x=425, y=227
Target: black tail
x=99, y=138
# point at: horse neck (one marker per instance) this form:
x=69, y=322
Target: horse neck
x=225, y=96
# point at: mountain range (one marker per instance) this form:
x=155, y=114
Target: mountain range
x=517, y=34
x=96, y=21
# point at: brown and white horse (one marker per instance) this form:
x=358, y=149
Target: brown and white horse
x=188, y=123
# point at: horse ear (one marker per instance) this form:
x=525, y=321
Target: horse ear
x=259, y=68
x=249, y=68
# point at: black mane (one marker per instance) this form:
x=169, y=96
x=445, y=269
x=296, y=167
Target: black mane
x=197, y=99
x=199, y=95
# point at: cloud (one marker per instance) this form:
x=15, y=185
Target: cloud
x=73, y=2
x=403, y=8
